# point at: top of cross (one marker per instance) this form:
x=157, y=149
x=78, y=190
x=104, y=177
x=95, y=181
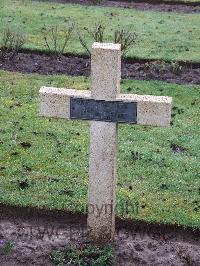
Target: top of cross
x=107, y=46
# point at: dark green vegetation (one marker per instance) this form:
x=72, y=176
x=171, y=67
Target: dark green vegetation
x=6, y=247
x=44, y=162
x=84, y=255
x=160, y=34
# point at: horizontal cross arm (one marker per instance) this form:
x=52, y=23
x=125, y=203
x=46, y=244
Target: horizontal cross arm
x=151, y=110
x=55, y=102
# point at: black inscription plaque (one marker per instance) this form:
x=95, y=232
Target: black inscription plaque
x=108, y=111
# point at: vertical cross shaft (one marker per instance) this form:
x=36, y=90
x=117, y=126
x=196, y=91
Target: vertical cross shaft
x=105, y=75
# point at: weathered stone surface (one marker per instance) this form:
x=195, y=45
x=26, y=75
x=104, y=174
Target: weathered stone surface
x=55, y=102
x=151, y=110
x=105, y=71
x=102, y=181
x=106, y=67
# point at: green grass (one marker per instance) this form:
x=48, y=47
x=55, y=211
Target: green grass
x=165, y=185
x=162, y=35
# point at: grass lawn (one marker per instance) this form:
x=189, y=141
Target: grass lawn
x=53, y=154
x=169, y=36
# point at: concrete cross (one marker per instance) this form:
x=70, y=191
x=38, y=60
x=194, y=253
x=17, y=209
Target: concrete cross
x=105, y=106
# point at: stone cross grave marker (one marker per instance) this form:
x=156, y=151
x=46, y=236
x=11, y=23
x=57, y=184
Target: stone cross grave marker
x=105, y=107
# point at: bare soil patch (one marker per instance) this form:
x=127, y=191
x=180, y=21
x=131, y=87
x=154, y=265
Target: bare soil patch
x=36, y=232
x=36, y=62
x=145, y=5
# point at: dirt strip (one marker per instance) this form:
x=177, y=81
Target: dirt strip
x=146, y=5
x=42, y=63
x=36, y=232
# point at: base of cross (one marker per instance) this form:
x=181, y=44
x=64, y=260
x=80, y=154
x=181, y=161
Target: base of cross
x=105, y=107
